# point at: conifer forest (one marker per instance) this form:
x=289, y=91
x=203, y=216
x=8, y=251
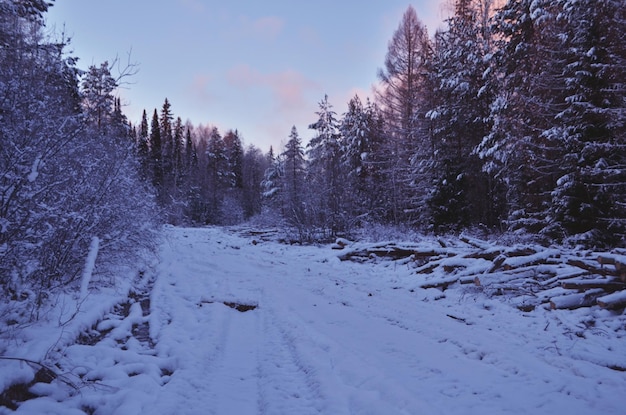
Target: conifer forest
x=511, y=120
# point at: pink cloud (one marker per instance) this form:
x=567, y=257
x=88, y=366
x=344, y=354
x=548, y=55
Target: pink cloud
x=288, y=87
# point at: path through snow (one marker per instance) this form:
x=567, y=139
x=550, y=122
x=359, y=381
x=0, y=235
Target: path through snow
x=337, y=338
x=320, y=336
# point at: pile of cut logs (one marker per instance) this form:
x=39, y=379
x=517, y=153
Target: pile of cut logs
x=529, y=276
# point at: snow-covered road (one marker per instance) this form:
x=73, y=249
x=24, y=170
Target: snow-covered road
x=227, y=323
x=341, y=338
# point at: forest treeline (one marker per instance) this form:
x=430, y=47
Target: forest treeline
x=510, y=119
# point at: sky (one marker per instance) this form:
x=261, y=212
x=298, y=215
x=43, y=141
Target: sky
x=260, y=67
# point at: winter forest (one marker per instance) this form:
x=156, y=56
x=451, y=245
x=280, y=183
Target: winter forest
x=507, y=124
x=512, y=120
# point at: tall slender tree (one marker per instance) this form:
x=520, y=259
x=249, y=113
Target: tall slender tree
x=293, y=182
x=403, y=79
x=326, y=184
x=460, y=119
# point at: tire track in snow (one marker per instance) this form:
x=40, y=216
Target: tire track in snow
x=286, y=384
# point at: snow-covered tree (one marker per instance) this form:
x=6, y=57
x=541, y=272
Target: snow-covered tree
x=98, y=100
x=589, y=198
x=66, y=176
x=234, y=154
x=156, y=151
x=515, y=151
x=460, y=118
x=325, y=182
x=293, y=180
x=271, y=178
x=361, y=131
x=254, y=164
x=218, y=175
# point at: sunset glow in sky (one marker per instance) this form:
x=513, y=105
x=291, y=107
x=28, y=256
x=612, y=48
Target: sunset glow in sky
x=256, y=66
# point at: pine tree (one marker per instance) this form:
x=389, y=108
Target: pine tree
x=98, y=100
x=324, y=170
x=361, y=132
x=156, y=159
x=218, y=175
x=166, y=119
x=460, y=119
x=293, y=182
x=254, y=165
x=234, y=154
x=588, y=201
x=272, y=181
x=516, y=150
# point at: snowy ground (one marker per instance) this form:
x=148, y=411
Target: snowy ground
x=314, y=335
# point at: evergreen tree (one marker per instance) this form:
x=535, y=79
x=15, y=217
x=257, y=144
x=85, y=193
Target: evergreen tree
x=234, y=154
x=143, y=144
x=98, y=100
x=324, y=170
x=460, y=119
x=272, y=180
x=588, y=200
x=254, y=165
x=361, y=132
x=524, y=73
x=293, y=182
x=167, y=144
x=156, y=152
x=218, y=175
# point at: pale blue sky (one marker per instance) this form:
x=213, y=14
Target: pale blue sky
x=258, y=66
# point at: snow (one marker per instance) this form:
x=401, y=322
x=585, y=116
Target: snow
x=319, y=335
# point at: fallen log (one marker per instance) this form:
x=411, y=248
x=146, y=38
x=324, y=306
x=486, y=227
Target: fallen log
x=613, y=301
x=427, y=269
x=533, y=258
x=497, y=263
x=574, y=301
x=442, y=283
x=585, y=284
x=606, y=259
x=588, y=267
x=476, y=243
x=502, y=277
x=393, y=252
x=620, y=268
